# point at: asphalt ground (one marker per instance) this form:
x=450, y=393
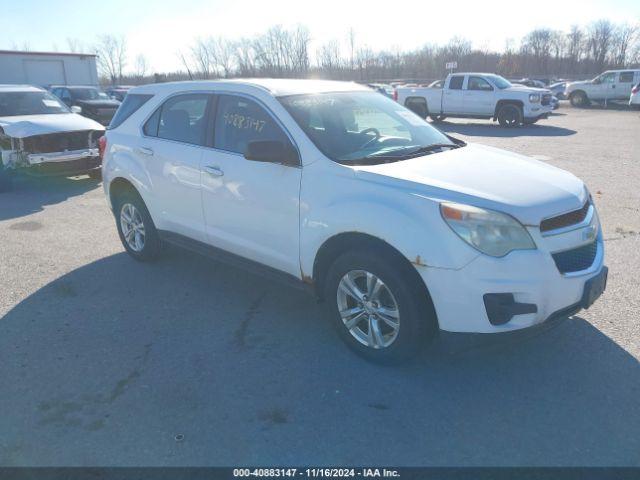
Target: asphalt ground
x=186, y=362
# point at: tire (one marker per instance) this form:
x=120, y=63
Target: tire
x=416, y=322
x=95, y=174
x=437, y=118
x=6, y=179
x=579, y=99
x=510, y=116
x=128, y=204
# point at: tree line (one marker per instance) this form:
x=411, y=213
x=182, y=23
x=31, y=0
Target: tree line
x=583, y=51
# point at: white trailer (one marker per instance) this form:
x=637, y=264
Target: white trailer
x=47, y=68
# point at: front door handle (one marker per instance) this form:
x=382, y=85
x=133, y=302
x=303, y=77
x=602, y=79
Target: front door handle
x=145, y=151
x=213, y=170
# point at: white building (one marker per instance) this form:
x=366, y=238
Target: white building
x=47, y=68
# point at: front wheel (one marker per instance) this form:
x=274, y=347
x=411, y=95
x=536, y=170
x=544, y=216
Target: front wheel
x=510, y=116
x=579, y=99
x=137, y=232
x=377, y=307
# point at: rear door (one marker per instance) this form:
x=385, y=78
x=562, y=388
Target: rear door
x=624, y=85
x=453, y=95
x=171, y=149
x=478, y=96
x=251, y=208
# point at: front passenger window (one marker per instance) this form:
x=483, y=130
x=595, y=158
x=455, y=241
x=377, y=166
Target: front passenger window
x=240, y=121
x=183, y=119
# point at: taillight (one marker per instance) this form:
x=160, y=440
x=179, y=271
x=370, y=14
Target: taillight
x=635, y=89
x=102, y=146
x=395, y=94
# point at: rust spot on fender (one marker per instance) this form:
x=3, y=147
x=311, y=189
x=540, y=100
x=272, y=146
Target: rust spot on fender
x=418, y=262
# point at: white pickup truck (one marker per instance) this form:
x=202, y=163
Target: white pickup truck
x=478, y=95
x=611, y=85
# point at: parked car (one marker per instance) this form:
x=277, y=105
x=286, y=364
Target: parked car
x=399, y=228
x=93, y=103
x=118, y=92
x=529, y=82
x=611, y=85
x=558, y=89
x=555, y=103
x=634, y=99
x=40, y=135
x=478, y=95
x=383, y=88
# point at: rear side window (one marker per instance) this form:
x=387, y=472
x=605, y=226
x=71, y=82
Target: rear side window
x=240, y=121
x=131, y=104
x=183, y=118
x=626, y=77
x=455, y=83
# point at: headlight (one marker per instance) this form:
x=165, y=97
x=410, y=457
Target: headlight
x=492, y=233
x=534, y=97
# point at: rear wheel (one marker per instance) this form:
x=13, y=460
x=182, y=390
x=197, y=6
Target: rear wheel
x=510, y=116
x=579, y=99
x=137, y=232
x=377, y=308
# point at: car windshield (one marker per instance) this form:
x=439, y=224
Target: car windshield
x=362, y=127
x=499, y=81
x=29, y=103
x=87, y=94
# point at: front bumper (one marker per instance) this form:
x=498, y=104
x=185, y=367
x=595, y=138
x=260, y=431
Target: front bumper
x=537, y=111
x=68, y=163
x=530, y=276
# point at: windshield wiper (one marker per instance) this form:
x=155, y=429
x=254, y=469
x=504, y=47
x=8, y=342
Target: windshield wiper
x=432, y=147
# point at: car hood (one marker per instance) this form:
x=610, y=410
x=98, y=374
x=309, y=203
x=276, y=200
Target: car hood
x=28, y=125
x=525, y=89
x=486, y=177
x=577, y=84
x=99, y=103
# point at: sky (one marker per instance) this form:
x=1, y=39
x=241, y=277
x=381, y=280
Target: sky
x=158, y=29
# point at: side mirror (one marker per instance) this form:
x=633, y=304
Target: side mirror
x=76, y=109
x=270, y=151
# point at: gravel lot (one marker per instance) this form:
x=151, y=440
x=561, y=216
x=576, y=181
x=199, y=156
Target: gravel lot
x=105, y=361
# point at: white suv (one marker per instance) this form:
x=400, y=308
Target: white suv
x=401, y=229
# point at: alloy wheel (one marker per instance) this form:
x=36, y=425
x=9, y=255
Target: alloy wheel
x=132, y=226
x=368, y=309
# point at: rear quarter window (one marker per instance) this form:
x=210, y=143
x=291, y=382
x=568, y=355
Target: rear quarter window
x=129, y=106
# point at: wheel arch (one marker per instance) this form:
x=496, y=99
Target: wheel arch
x=417, y=100
x=502, y=103
x=340, y=243
x=119, y=185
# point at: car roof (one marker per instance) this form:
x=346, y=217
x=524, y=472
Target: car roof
x=275, y=86
x=20, y=88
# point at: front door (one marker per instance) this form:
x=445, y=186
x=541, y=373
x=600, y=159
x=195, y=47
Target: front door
x=479, y=96
x=250, y=208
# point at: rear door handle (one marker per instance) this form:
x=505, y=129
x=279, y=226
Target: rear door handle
x=213, y=170
x=145, y=151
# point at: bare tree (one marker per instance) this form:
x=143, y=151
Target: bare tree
x=142, y=66
x=76, y=46
x=112, y=56
x=600, y=37
x=201, y=55
x=623, y=38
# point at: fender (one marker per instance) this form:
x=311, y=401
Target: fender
x=410, y=223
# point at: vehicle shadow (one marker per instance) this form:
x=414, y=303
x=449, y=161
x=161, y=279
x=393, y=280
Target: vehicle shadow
x=494, y=130
x=189, y=362
x=30, y=194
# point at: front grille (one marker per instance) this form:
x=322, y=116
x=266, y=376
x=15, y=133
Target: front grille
x=59, y=142
x=546, y=99
x=576, y=259
x=566, y=219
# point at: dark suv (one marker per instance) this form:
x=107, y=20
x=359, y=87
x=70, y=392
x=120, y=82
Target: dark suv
x=94, y=104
